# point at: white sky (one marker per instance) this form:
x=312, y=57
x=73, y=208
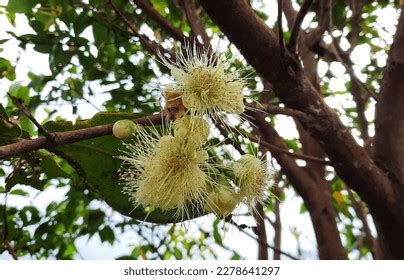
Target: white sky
x=94, y=249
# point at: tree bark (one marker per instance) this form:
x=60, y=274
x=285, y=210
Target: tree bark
x=389, y=144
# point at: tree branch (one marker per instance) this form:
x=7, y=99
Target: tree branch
x=195, y=21
x=24, y=110
x=68, y=137
x=242, y=229
x=227, y=138
x=280, y=30
x=154, y=48
x=360, y=212
x=160, y=20
x=275, y=110
x=292, y=46
x=276, y=149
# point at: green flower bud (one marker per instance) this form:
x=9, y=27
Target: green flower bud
x=124, y=129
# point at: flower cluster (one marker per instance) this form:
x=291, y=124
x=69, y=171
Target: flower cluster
x=170, y=169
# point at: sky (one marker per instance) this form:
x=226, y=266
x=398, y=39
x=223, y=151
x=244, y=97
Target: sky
x=247, y=247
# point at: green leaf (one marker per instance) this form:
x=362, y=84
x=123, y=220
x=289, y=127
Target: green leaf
x=106, y=234
x=8, y=129
x=20, y=6
x=6, y=69
x=18, y=192
x=97, y=161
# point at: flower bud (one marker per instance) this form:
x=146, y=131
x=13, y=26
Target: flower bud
x=124, y=129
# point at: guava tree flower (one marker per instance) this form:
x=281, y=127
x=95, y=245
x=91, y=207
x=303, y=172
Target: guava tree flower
x=251, y=177
x=166, y=171
x=205, y=81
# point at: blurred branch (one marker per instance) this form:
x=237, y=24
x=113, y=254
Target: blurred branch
x=195, y=21
x=160, y=20
x=227, y=138
x=68, y=137
x=154, y=48
x=360, y=212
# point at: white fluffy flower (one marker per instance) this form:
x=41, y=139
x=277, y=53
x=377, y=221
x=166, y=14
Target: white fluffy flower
x=206, y=83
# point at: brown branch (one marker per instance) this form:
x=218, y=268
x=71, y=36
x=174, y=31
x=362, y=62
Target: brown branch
x=261, y=233
x=23, y=109
x=154, y=48
x=276, y=149
x=298, y=22
x=280, y=31
x=315, y=196
x=275, y=110
x=277, y=224
x=195, y=21
x=227, y=138
x=160, y=20
x=10, y=249
x=68, y=137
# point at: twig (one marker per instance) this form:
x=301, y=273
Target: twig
x=24, y=110
x=228, y=140
x=156, y=49
x=274, y=110
x=276, y=149
x=292, y=46
x=10, y=249
x=242, y=229
x=360, y=212
x=68, y=137
x=160, y=20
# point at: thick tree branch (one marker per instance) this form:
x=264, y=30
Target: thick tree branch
x=261, y=233
x=389, y=137
x=68, y=137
